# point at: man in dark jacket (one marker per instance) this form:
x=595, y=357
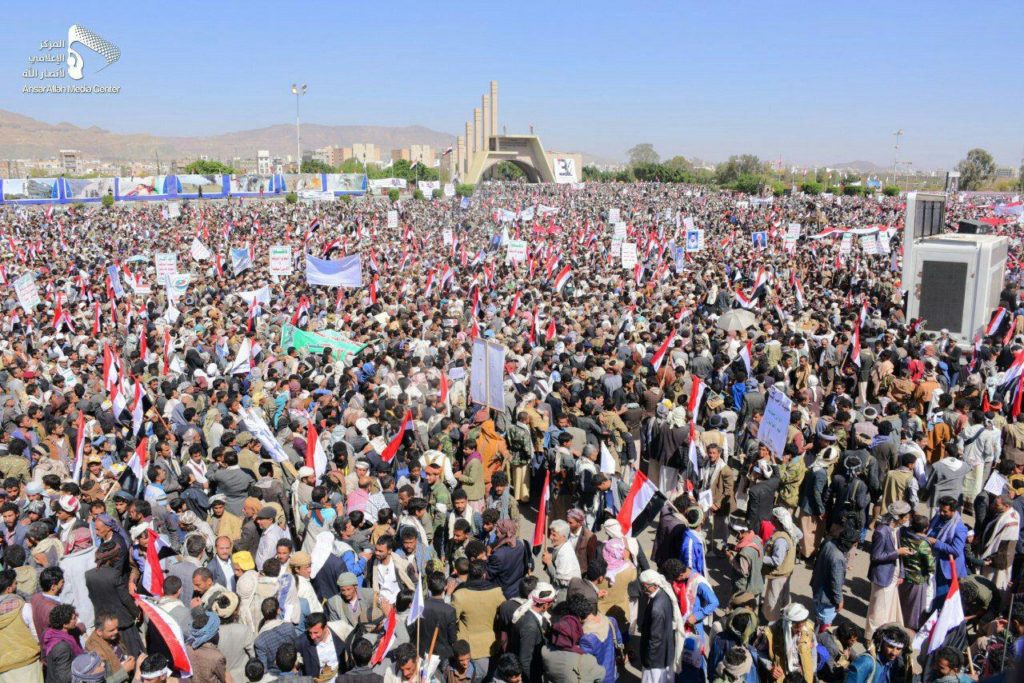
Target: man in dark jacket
x=439, y=616
x=108, y=591
x=530, y=628
x=362, y=653
x=658, y=649
x=828, y=577
x=307, y=644
x=761, y=496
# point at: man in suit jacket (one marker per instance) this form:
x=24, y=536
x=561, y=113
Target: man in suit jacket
x=530, y=628
x=220, y=564
x=354, y=605
x=722, y=483
x=589, y=585
x=380, y=572
x=439, y=616
x=883, y=571
x=753, y=402
x=317, y=633
x=108, y=591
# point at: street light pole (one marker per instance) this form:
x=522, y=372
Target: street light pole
x=298, y=91
x=896, y=157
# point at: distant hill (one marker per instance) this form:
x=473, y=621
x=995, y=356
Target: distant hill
x=862, y=166
x=23, y=137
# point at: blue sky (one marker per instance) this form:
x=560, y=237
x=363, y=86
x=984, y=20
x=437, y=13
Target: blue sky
x=814, y=83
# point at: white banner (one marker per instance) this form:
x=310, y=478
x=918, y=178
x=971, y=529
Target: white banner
x=388, y=184
x=281, y=263
x=166, y=264
x=427, y=187
x=793, y=231
x=883, y=242
x=198, y=250
x=487, y=374
x=177, y=285
x=446, y=236
x=619, y=231
x=449, y=190
x=258, y=428
x=613, y=216
x=27, y=291
x=869, y=244
x=628, y=255
x=774, y=425
x=846, y=246
x=515, y=251
x=392, y=219
x=262, y=295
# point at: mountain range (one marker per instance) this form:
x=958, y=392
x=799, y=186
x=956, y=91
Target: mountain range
x=22, y=137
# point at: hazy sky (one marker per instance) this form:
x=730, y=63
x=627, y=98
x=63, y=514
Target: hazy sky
x=813, y=83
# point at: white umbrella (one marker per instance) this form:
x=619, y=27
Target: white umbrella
x=736, y=319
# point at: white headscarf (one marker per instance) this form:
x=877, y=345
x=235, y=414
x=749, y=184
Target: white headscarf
x=786, y=520
x=655, y=578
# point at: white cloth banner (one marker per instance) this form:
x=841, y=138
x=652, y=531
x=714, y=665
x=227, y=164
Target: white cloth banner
x=515, y=251
x=628, y=255
x=258, y=428
x=262, y=295
x=198, y=251
x=166, y=264
x=392, y=219
x=346, y=272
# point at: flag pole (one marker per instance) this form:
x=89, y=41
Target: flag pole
x=433, y=642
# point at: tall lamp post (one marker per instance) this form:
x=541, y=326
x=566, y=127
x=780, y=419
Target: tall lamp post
x=298, y=91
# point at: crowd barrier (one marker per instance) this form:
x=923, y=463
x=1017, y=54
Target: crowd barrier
x=170, y=187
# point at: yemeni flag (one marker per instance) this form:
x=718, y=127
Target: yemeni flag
x=744, y=300
x=79, y=446
x=316, y=457
x=1015, y=370
x=541, y=527
x=799, y=291
x=97, y=325
x=642, y=504
x=696, y=396
x=386, y=641
x=998, y=316
x=549, y=334
x=444, y=387
x=515, y=305
x=562, y=278
x=143, y=342
x=662, y=352
x=136, y=408
x=373, y=290
x=170, y=632
x=695, y=449
x=392, y=448
x=747, y=356
x=1015, y=411
x=301, y=310
x=950, y=616
x=152, y=573
x=855, y=344
x=134, y=476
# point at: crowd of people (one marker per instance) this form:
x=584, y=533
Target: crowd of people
x=229, y=475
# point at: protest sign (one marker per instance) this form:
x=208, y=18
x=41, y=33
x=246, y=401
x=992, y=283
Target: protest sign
x=281, y=260
x=487, y=374
x=446, y=236
x=793, y=231
x=315, y=342
x=515, y=251
x=392, y=219
x=613, y=216
x=629, y=255
x=27, y=291
x=774, y=427
x=114, y=273
x=846, y=245
x=619, y=230
x=166, y=264
x=694, y=240
x=449, y=190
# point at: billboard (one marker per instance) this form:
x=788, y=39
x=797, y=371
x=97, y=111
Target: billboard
x=295, y=182
x=346, y=182
x=91, y=188
x=30, y=188
x=251, y=183
x=142, y=186
x=193, y=184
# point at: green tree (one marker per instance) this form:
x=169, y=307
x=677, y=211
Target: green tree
x=1020, y=178
x=678, y=163
x=417, y=194
x=891, y=191
x=351, y=166
x=316, y=166
x=291, y=198
x=464, y=190
x=393, y=195
x=642, y=153
x=506, y=170
x=736, y=166
x=436, y=194
x=810, y=187
x=853, y=190
x=107, y=201
x=748, y=183
x=206, y=167
x=976, y=169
